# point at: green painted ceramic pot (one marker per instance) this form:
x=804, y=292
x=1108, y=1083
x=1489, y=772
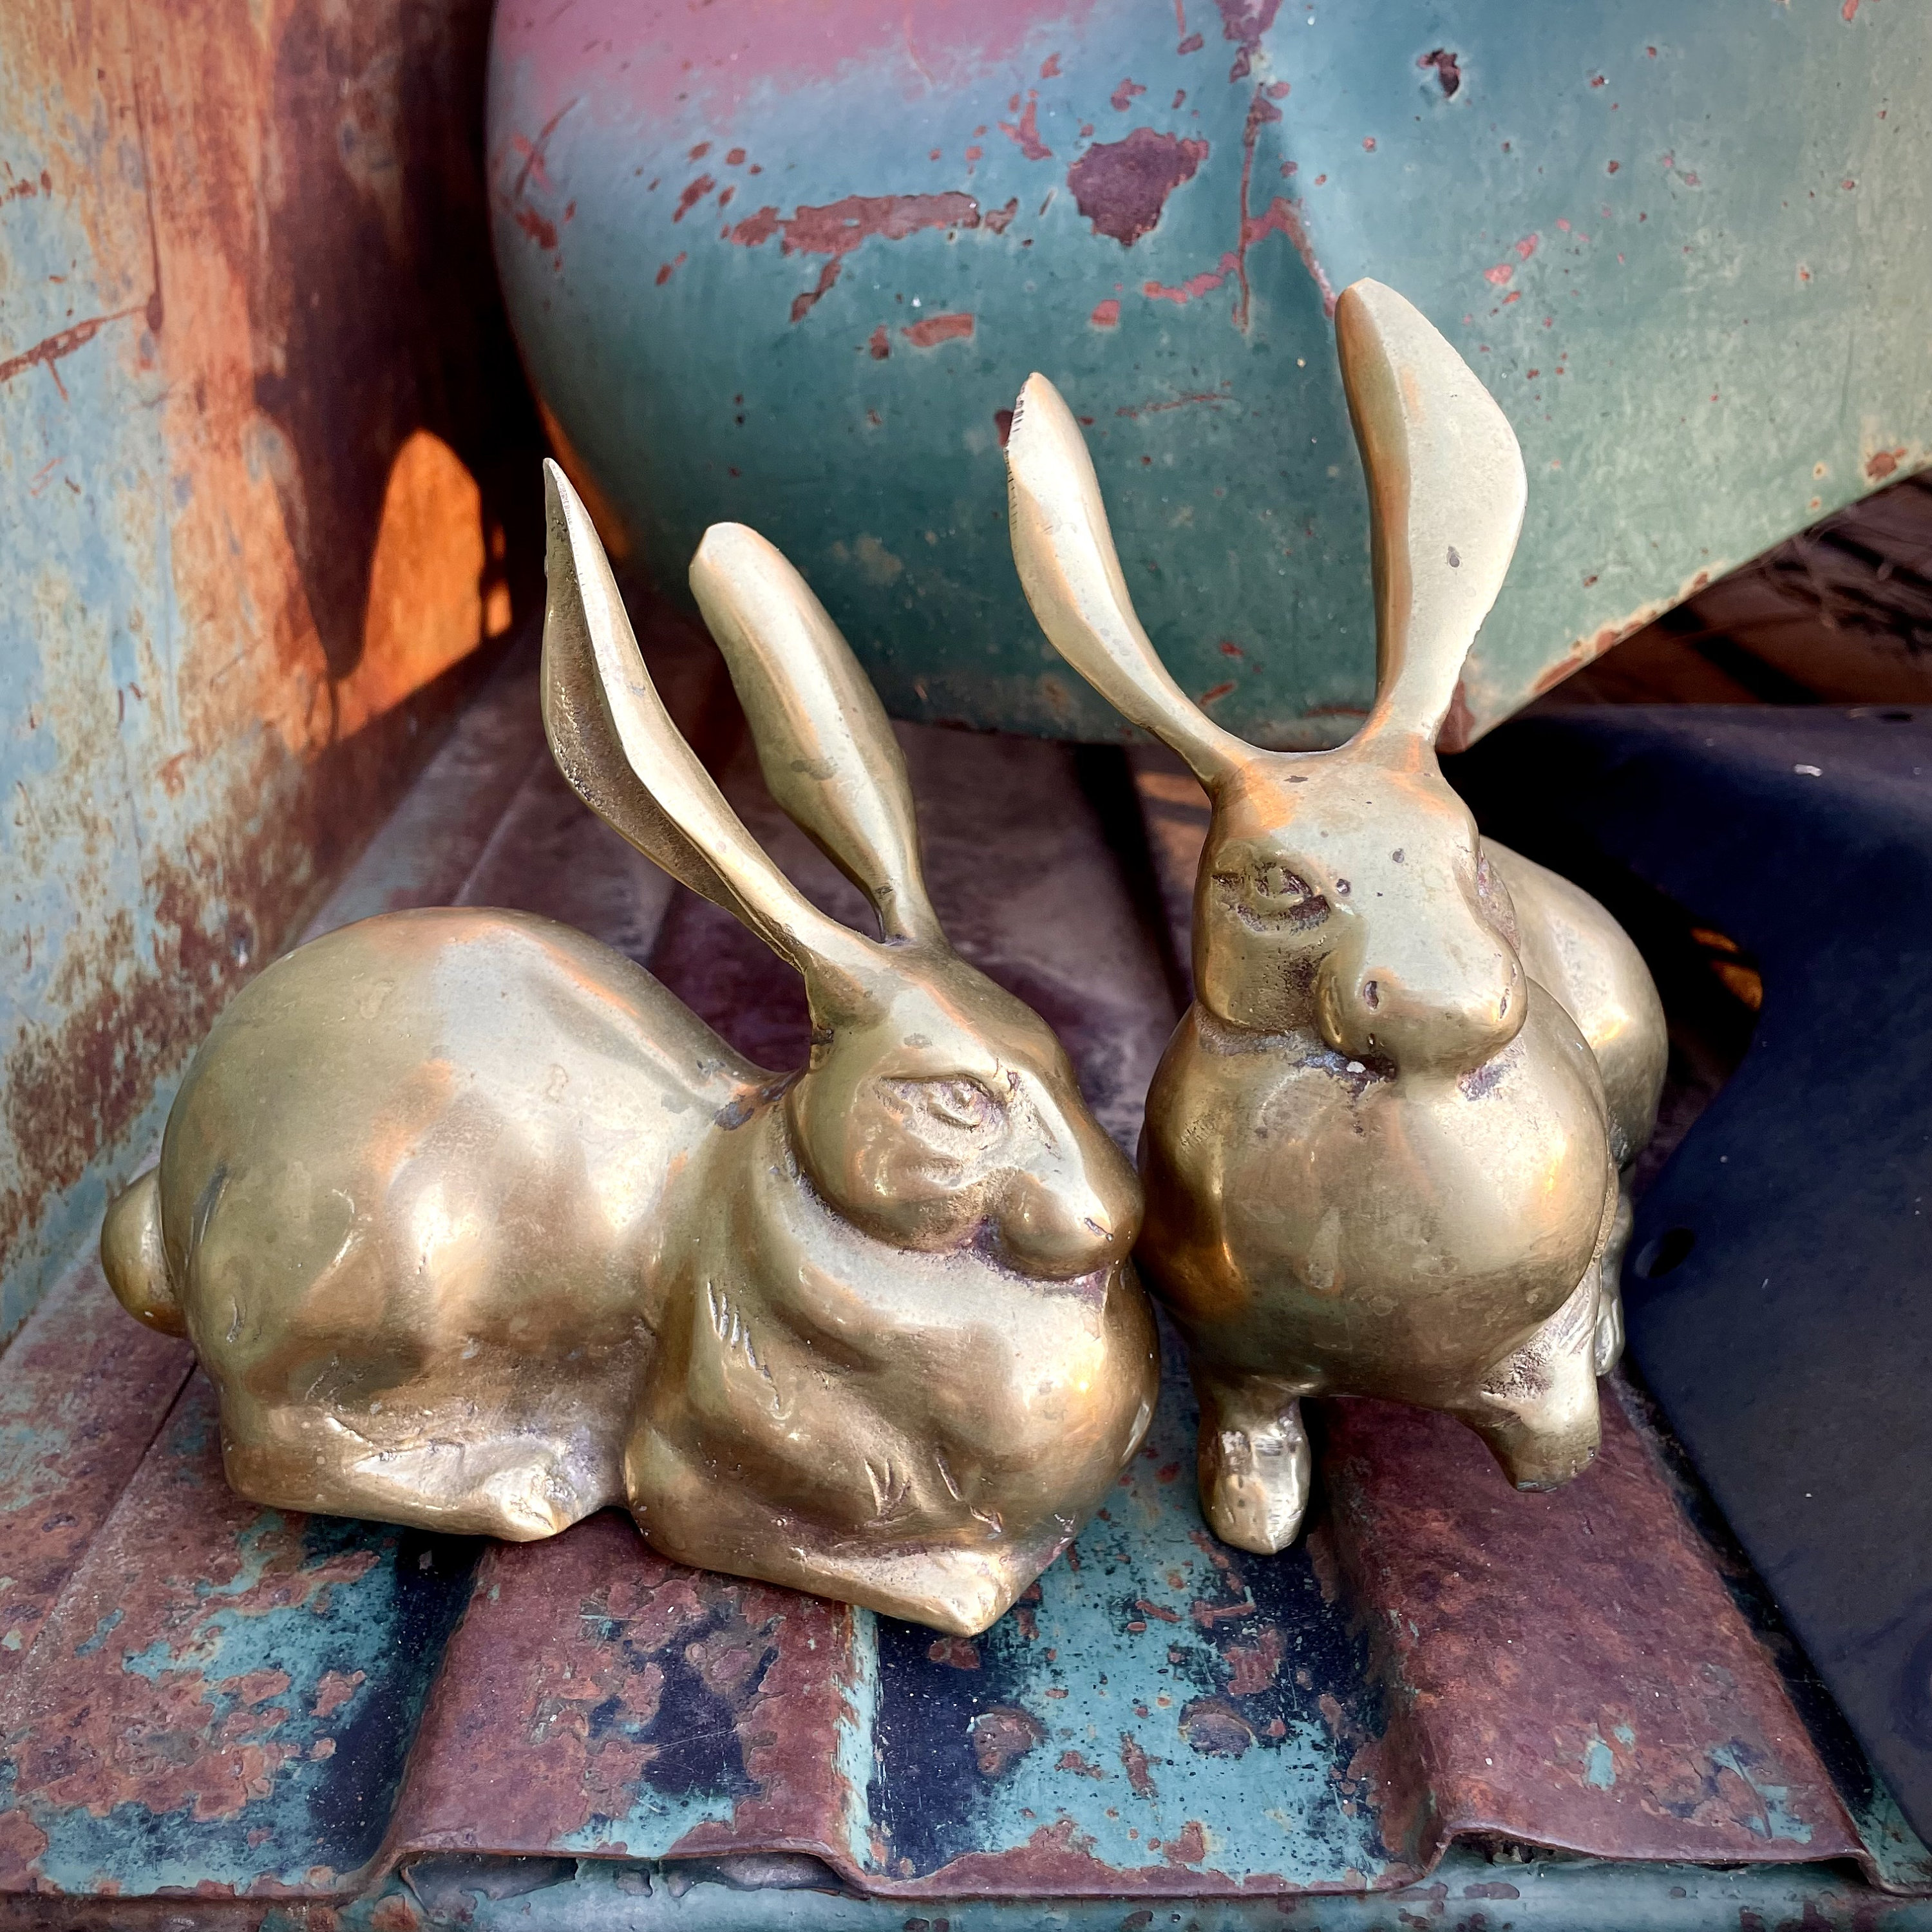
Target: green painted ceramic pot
x=788, y=262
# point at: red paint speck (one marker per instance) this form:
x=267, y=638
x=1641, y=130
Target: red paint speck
x=670, y=268
x=1500, y=273
x=1049, y=67
x=1596, y=80
x=1526, y=247
x=879, y=344
x=1214, y=692
x=693, y=195
x=1229, y=649
x=1106, y=314
x=1849, y=10
x=1179, y=95
x=1613, y=167
x=1848, y=183
x=735, y=158
x=1514, y=295
x=1562, y=224
x=1122, y=98
x=1319, y=179
x=1368, y=144
x=698, y=153
x=973, y=154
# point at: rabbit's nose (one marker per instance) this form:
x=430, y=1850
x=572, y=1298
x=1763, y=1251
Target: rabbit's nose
x=1059, y=1226
x=1445, y=1009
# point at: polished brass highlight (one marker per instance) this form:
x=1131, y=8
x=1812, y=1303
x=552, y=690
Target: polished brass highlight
x=476, y=1227
x=1382, y=1149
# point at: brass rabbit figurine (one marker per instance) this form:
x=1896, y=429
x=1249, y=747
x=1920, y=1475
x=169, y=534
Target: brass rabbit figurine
x=1382, y=1149
x=476, y=1227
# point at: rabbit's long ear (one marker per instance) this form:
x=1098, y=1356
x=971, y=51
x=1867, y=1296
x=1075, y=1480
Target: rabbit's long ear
x=615, y=743
x=1072, y=577
x=1446, y=494
x=827, y=753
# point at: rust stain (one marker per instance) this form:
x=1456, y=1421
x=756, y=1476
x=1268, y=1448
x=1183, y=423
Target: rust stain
x=1136, y=1762
x=839, y=227
x=46, y=354
x=937, y=328
x=1122, y=96
x=1448, y=69
x=1107, y=313
x=1244, y=22
x=1122, y=186
x=1174, y=403
x=997, y=220
x=1002, y=1736
x=879, y=343
x=1024, y=133
x=1880, y=464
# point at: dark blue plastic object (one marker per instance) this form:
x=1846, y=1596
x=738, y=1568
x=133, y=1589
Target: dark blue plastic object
x=1780, y=1283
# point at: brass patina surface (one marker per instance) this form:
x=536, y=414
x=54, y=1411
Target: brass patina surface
x=476, y=1227
x=1382, y=1150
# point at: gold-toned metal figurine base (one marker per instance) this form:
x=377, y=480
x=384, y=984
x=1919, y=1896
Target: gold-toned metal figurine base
x=476, y=1227
x=1382, y=1150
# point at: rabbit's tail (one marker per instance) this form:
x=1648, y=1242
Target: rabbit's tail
x=134, y=1259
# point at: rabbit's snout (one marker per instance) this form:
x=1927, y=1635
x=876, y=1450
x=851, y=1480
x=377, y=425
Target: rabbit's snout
x=1066, y=1222
x=1431, y=1000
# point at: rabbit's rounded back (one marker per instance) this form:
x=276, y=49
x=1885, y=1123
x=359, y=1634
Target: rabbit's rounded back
x=409, y=1196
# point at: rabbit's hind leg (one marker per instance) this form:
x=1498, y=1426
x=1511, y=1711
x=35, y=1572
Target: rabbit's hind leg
x=1610, y=1334
x=519, y=1485
x=1252, y=1459
x=1537, y=1409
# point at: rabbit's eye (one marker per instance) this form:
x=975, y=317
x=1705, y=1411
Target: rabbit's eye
x=1270, y=894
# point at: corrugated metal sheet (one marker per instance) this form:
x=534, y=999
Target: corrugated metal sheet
x=233, y=1703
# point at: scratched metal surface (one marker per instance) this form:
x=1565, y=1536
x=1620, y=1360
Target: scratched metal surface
x=257, y=399
x=278, y=1715
x=787, y=261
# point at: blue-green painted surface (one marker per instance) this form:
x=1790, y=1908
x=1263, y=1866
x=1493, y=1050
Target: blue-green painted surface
x=1687, y=247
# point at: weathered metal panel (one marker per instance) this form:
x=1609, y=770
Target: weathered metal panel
x=790, y=264
x=225, y=1696
x=255, y=402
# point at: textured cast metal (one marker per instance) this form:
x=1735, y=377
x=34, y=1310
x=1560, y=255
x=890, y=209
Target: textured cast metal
x=1382, y=1149
x=478, y=1228
x=593, y=1695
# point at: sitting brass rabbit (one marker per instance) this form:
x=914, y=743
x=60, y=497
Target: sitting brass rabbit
x=1381, y=1150
x=476, y=1227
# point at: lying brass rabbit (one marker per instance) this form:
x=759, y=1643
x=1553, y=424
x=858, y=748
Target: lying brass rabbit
x=476, y=1227
x=1382, y=1150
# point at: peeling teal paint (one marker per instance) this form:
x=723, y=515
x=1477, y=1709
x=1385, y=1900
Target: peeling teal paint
x=1600, y=1767
x=1689, y=248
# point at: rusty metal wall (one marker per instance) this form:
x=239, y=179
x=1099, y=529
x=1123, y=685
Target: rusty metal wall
x=264, y=446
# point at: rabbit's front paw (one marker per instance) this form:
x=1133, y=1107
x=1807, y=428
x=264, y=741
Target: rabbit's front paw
x=1253, y=1462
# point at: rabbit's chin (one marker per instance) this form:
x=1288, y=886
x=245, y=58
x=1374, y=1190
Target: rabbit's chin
x=1367, y=1234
